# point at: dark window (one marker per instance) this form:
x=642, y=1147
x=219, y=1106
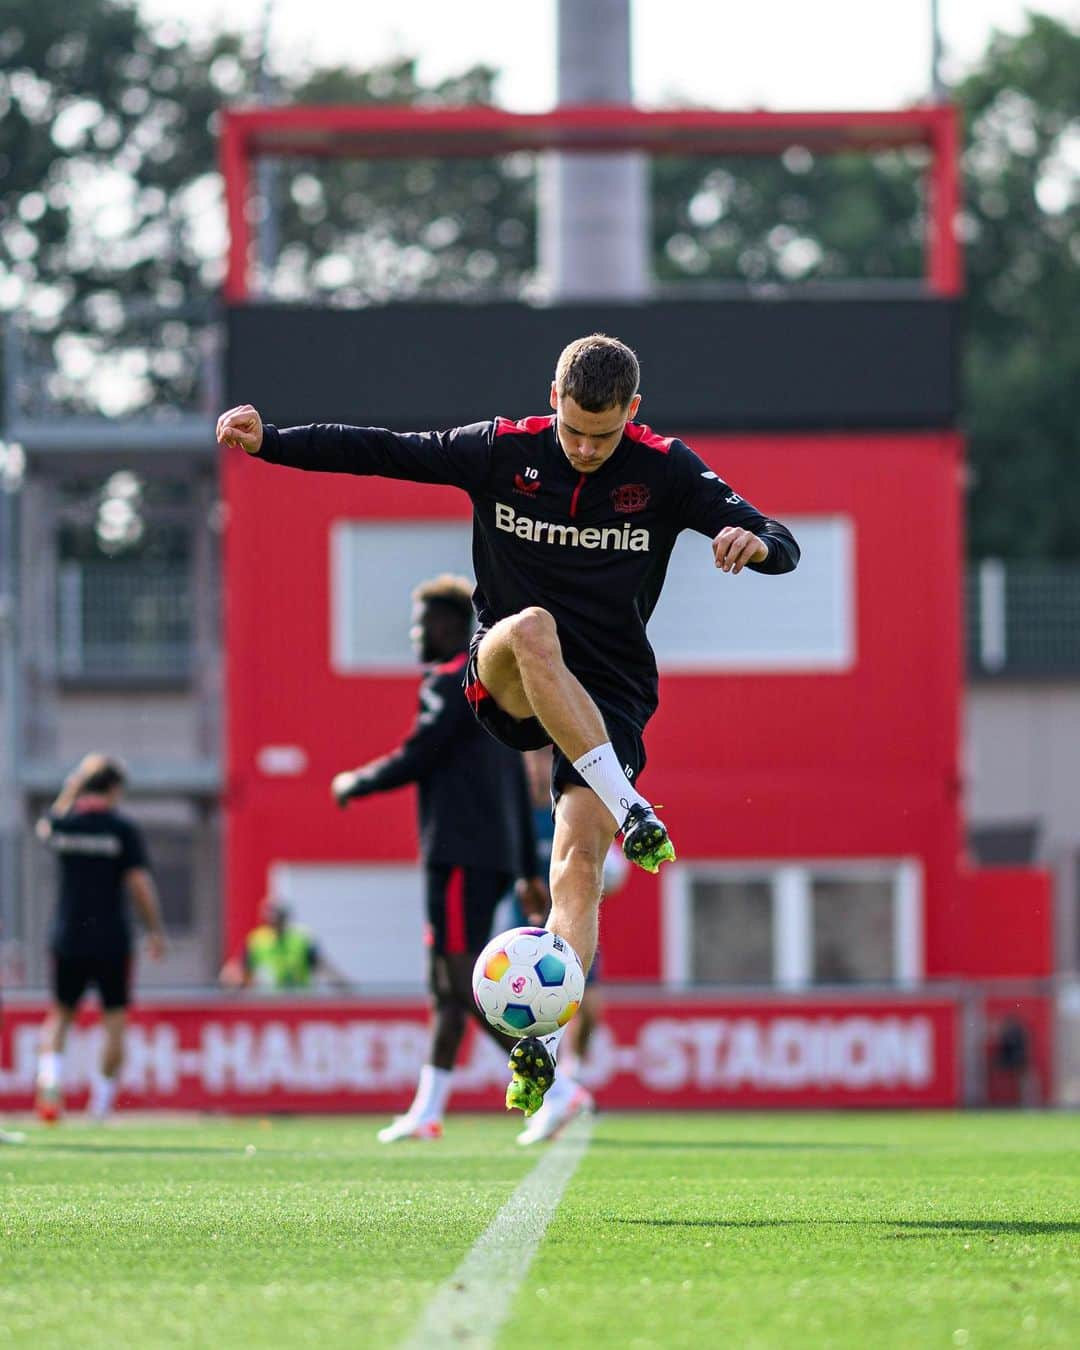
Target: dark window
x=998, y=845
x=852, y=926
x=172, y=861
x=124, y=580
x=732, y=931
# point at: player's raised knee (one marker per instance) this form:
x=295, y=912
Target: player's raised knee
x=533, y=633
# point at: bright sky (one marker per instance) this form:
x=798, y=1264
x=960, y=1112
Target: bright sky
x=795, y=54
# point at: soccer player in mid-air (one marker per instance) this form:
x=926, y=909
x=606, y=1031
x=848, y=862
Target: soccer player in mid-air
x=574, y=519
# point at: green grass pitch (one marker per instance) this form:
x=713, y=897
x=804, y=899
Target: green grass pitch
x=882, y=1230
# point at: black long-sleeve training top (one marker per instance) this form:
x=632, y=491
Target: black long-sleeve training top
x=591, y=548
x=473, y=800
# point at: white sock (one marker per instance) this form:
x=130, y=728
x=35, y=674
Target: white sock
x=551, y=1042
x=50, y=1067
x=569, y=1063
x=102, y=1094
x=564, y=1086
x=602, y=771
x=432, y=1093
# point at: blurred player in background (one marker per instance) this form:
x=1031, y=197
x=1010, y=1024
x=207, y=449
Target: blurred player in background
x=476, y=835
x=574, y=519
x=279, y=955
x=8, y=1136
x=102, y=864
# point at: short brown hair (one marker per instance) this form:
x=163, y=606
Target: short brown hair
x=446, y=589
x=598, y=372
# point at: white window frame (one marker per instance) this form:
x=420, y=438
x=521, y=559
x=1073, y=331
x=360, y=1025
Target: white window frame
x=792, y=913
x=369, y=918
x=756, y=628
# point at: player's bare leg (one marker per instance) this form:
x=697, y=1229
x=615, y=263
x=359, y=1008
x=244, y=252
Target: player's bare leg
x=104, y=1083
x=583, y=831
x=520, y=663
x=452, y=1004
x=579, y=1033
x=49, y=1100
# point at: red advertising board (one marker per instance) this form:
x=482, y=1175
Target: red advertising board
x=257, y=1056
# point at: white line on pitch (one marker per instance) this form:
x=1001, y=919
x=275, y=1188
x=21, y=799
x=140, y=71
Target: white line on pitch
x=470, y=1307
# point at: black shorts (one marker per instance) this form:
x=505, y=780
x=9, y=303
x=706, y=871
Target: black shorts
x=518, y=733
x=461, y=903
x=528, y=734
x=110, y=975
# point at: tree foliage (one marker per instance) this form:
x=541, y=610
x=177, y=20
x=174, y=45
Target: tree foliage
x=1022, y=372
x=110, y=196
x=357, y=232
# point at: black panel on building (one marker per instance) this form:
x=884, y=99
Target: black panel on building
x=746, y=364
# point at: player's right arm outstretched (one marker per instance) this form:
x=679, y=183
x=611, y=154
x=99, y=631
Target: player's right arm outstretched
x=459, y=457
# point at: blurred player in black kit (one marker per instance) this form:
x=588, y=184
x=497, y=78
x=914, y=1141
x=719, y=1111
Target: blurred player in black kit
x=574, y=519
x=9, y=1136
x=103, y=864
x=476, y=835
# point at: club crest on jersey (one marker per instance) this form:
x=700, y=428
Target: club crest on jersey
x=528, y=485
x=630, y=497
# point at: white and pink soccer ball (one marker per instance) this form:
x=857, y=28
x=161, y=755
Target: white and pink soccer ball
x=528, y=982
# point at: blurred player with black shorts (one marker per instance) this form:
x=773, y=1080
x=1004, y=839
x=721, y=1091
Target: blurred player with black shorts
x=575, y=516
x=476, y=836
x=8, y=1136
x=102, y=864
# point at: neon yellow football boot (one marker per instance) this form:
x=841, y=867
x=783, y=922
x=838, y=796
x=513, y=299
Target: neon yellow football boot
x=534, y=1072
x=646, y=842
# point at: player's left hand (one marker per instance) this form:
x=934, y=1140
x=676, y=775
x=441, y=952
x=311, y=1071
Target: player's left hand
x=534, y=899
x=343, y=787
x=734, y=547
x=155, y=947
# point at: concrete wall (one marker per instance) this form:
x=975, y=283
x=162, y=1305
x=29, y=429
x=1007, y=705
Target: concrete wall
x=1022, y=757
x=138, y=724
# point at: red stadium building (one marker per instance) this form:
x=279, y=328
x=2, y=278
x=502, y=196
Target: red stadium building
x=806, y=750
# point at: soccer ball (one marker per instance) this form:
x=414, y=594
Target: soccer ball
x=528, y=982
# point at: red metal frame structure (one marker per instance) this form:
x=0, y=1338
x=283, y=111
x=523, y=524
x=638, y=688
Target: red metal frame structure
x=407, y=132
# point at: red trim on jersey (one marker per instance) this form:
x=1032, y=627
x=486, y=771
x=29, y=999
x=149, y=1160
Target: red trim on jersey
x=456, y=941
x=92, y=801
x=644, y=435
x=577, y=494
x=475, y=693
x=452, y=666
x=531, y=426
